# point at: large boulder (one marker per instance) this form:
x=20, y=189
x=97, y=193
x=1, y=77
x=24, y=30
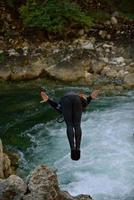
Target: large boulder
x=12, y=188
x=43, y=185
x=68, y=70
x=34, y=70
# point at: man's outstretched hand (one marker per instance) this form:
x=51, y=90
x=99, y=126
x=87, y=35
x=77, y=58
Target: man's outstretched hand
x=44, y=96
x=94, y=94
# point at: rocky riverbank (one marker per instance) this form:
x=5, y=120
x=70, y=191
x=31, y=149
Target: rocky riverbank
x=84, y=60
x=95, y=57
x=41, y=184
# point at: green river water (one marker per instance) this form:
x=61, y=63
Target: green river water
x=106, y=168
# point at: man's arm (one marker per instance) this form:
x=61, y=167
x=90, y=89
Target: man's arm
x=87, y=99
x=54, y=104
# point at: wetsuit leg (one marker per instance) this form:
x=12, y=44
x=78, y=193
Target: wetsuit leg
x=67, y=109
x=72, y=111
x=77, y=113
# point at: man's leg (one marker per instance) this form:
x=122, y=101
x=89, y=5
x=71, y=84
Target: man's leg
x=67, y=113
x=77, y=113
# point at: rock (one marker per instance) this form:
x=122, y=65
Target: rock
x=130, y=68
x=1, y=161
x=107, y=46
x=129, y=80
x=108, y=36
x=67, y=70
x=13, y=52
x=114, y=21
x=117, y=61
x=66, y=196
x=105, y=70
x=83, y=197
x=5, y=74
x=88, y=45
x=104, y=59
x=121, y=74
x=115, y=14
x=28, y=73
x=112, y=73
x=89, y=78
x=9, y=17
x=81, y=32
x=12, y=188
x=97, y=66
x=6, y=166
x=43, y=184
x=1, y=51
x=25, y=51
x=14, y=158
x=107, y=22
x=102, y=33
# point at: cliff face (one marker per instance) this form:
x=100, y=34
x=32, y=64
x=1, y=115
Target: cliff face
x=41, y=184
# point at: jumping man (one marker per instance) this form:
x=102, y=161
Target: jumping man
x=71, y=106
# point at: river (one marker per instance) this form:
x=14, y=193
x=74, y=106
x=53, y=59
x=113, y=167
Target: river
x=106, y=168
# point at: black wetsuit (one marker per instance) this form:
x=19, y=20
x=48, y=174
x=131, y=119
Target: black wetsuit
x=71, y=106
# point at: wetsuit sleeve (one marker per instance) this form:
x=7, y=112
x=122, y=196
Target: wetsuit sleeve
x=86, y=101
x=55, y=105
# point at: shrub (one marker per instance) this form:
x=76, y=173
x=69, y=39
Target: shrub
x=54, y=15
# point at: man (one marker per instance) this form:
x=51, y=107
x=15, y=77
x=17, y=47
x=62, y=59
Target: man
x=71, y=106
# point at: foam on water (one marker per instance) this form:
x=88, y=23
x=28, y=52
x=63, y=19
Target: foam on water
x=106, y=168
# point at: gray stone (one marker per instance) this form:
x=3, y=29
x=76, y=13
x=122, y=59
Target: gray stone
x=88, y=45
x=13, y=52
x=114, y=21
x=25, y=51
x=102, y=33
x=117, y=61
x=129, y=80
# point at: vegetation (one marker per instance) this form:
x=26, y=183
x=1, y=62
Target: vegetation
x=57, y=16
x=53, y=15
